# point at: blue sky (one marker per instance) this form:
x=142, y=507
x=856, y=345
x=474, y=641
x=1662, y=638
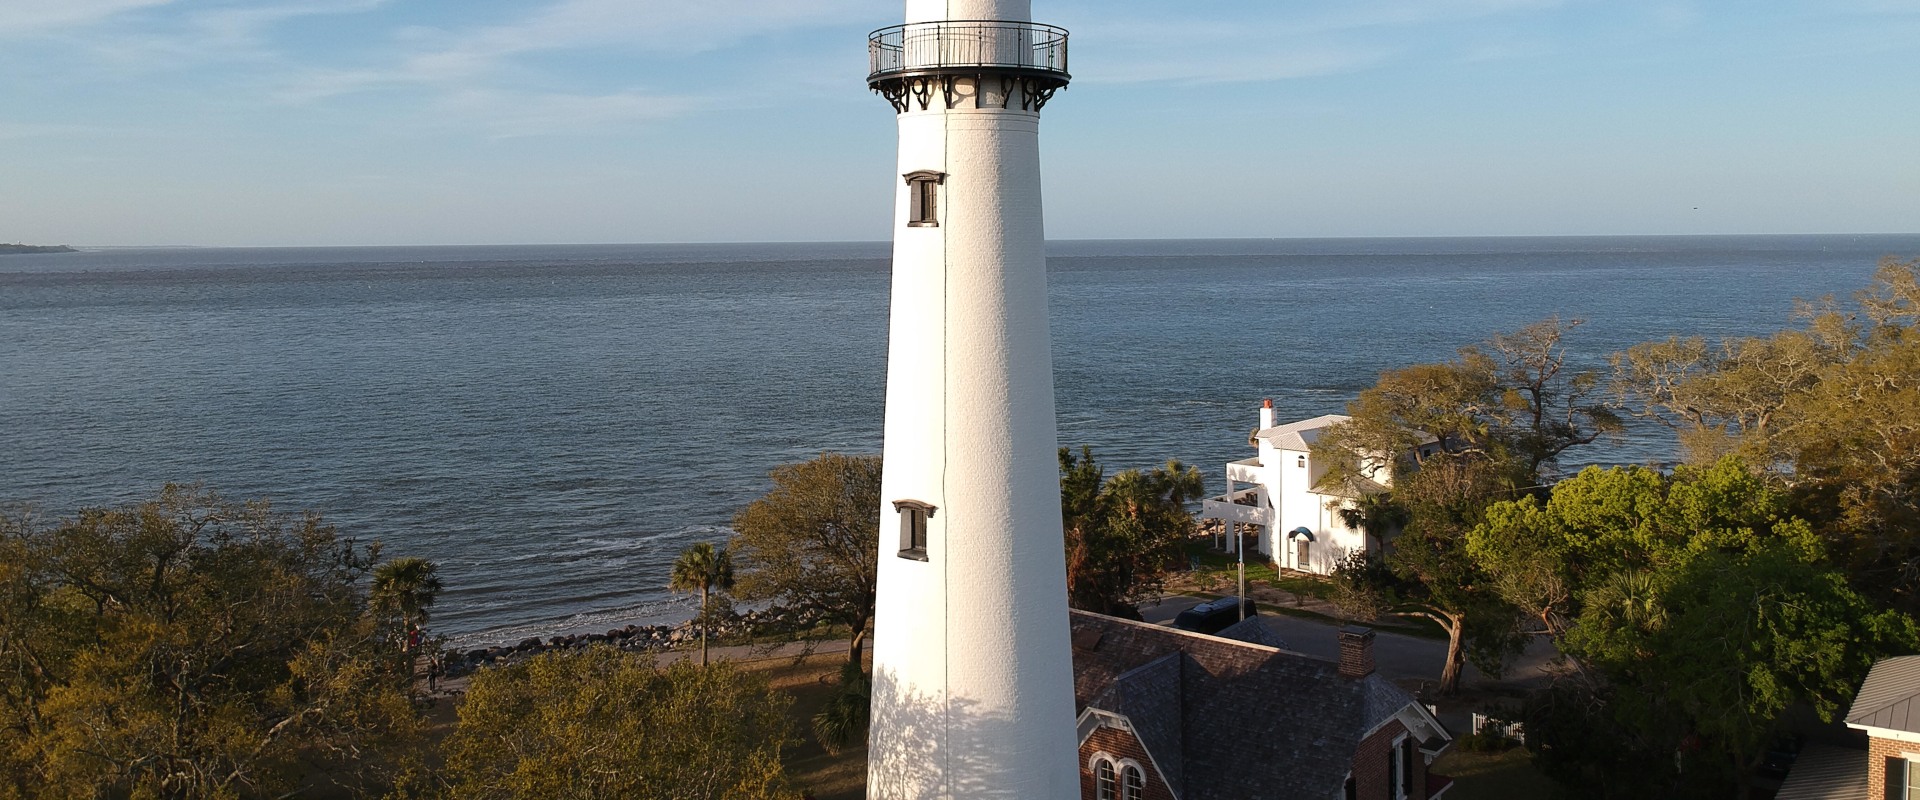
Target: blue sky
x=343, y=122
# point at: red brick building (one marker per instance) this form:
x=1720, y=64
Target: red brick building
x=1166, y=714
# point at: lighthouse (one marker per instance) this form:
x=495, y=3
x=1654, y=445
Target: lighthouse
x=973, y=674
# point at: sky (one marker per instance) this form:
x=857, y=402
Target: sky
x=376, y=122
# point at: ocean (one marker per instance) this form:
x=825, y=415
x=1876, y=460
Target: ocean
x=552, y=424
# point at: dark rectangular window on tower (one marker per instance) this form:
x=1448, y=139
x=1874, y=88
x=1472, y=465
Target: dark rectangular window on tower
x=923, y=198
x=913, y=528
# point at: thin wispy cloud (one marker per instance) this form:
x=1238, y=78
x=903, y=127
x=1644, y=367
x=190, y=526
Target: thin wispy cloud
x=654, y=27
x=512, y=115
x=27, y=16
x=14, y=131
x=1272, y=42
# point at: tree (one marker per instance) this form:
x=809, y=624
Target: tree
x=186, y=647
x=605, y=724
x=1828, y=411
x=702, y=568
x=1697, y=605
x=812, y=542
x=1446, y=441
x=1122, y=532
x=844, y=719
x=1374, y=513
x=1546, y=409
x=406, y=586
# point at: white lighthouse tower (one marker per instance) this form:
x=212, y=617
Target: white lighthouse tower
x=973, y=675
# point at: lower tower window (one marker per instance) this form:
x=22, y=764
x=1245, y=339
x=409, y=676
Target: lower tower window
x=913, y=528
x=923, y=198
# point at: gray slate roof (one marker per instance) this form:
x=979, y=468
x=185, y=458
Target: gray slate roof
x=1823, y=772
x=1253, y=630
x=1250, y=721
x=1886, y=699
x=1149, y=697
x=1299, y=436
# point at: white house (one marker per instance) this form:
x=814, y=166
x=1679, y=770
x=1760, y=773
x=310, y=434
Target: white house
x=1298, y=526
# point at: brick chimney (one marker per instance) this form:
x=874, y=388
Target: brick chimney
x=1266, y=414
x=1356, y=652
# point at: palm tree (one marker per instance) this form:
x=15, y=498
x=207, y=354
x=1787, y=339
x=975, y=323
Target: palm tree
x=407, y=585
x=702, y=568
x=1374, y=514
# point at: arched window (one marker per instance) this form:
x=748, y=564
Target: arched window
x=1103, y=784
x=1133, y=783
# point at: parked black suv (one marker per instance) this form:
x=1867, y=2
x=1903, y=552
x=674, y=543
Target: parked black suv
x=1213, y=616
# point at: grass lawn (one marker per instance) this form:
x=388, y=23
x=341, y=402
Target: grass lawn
x=812, y=681
x=1492, y=776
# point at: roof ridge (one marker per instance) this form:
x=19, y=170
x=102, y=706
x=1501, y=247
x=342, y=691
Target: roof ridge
x=1202, y=636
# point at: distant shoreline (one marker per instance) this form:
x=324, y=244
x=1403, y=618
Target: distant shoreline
x=28, y=249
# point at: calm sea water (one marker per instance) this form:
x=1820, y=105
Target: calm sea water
x=553, y=424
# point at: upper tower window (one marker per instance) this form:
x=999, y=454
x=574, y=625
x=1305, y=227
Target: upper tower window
x=923, y=198
x=913, y=528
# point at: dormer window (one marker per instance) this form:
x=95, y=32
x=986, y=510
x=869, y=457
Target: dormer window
x=923, y=198
x=913, y=528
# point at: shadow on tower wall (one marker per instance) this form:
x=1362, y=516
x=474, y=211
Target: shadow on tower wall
x=905, y=764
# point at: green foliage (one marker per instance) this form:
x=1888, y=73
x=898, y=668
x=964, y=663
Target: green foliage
x=1122, y=532
x=606, y=724
x=405, y=588
x=843, y=721
x=1428, y=449
x=1698, y=607
x=1364, y=587
x=187, y=647
x=813, y=541
x=702, y=568
x=1509, y=400
x=1829, y=410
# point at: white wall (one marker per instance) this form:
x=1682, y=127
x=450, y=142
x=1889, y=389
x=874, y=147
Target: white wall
x=971, y=661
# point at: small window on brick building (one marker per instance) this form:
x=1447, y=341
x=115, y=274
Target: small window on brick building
x=1133, y=783
x=1406, y=767
x=1397, y=770
x=1103, y=783
x=913, y=528
x=923, y=198
x=1352, y=791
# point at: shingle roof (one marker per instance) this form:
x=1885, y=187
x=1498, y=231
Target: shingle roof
x=1886, y=698
x=1826, y=773
x=1252, y=721
x=1149, y=697
x=1299, y=435
x=1253, y=630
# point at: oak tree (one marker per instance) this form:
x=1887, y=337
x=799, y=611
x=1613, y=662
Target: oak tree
x=812, y=542
x=602, y=724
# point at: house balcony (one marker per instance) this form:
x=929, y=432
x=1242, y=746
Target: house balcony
x=1246, y=470
x=1236, y=507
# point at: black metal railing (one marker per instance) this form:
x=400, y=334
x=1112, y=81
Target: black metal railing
x=931, y=47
